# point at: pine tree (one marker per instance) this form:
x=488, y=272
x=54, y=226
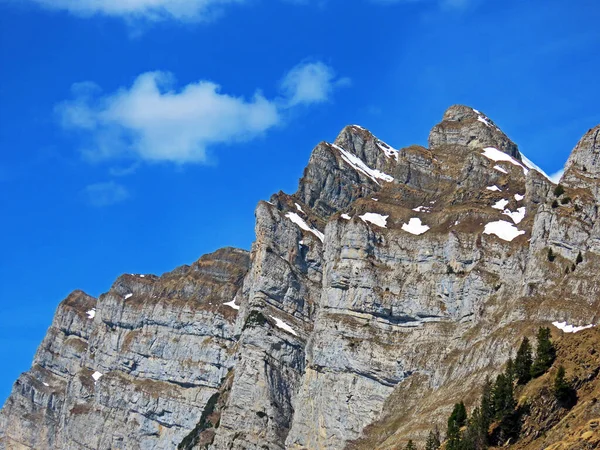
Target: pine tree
x=486, y=407
x=457, y=419
x=503, y=398
x=545, y=354
x=523, y=362
x=433, y=440
x=410, y=445
x=562, y=390
x=459, y=415
x=509, y=371
x=453, y=435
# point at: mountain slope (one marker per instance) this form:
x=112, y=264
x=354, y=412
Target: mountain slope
x=377, y=295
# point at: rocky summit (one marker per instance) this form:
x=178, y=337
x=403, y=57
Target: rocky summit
x=382, y=292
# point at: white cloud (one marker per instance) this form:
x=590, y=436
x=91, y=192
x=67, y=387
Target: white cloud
x=105, y=194
x=153, y=10
x=152, y=121
x=556, y=176
x=310, y=83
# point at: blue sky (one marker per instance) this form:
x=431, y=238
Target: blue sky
x=136, y=135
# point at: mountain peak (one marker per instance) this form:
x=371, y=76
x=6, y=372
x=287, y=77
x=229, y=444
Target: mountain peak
x=463, y=125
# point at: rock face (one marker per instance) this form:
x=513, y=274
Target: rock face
x=372, y=298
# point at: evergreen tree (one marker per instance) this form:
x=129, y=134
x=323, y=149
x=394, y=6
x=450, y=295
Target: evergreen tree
x=503, y=398
x=486, y=407
x=457, y=419
x=545, y=354
x=459, y=415
x=562, y=390
x=523, y=362
x=453, y=435
x=433, y=440
x=509, y=371
x=410, y=445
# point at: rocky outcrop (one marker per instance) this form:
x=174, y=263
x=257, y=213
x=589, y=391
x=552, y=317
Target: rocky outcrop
x=374, y=296
x=133, y=369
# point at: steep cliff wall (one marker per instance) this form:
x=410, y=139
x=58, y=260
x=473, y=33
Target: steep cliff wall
x=382, y=290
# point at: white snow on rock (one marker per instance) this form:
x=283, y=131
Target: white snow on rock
x=374, y=199
x=519, y=197
x=423, y=209
x=284, y=326
x=500, y=169
x=570, y=328
x=500, y=204
x=128, y=296
x=493, y=188
x=414, y=226
x=298, y=207
x=374, y=218
x=45, y=384
x=496, y=155
x=232, y=304
x=96, y=376
x=503, y=229
x=91, y=313
x=358, y=165
x=302, y=224
x=388, y=150
x=142, y=276
x=529, y=163
x=346, y=216
x=517, y=216
x=359, y=127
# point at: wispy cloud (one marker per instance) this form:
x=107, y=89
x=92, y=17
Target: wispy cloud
x=154, y=121
x=310, y=83
x=185, y=10
x=105, y=194
x=152, y=10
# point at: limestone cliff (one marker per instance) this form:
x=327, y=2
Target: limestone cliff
x=383, y=290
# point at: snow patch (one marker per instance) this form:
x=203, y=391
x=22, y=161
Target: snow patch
x=374, y=199
x=415, y=226
x=302, y=224
x=298, y=207
x=232, y=304
x=388, y=150
x=358, y=165
x=503, y=229
x=500, y=204
x=374, y=218
x=91, y=313
x=45, y=384
x=494, y=188
x=570, y=328
x=142, y=276
x=519, y=197
x=346, y=216
x=500, y=169
x=496, y=155
x=423, y=209
x=284, y=326
x=128, y=296
x=529, y=163
x=96, y=376
x=517, y=216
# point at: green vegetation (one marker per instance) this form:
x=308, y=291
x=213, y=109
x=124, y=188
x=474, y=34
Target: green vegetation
x=410, y=446
x=545, y=353
x=579, y=259
x=551, y=255
x=559, y=190
x=555, y=204
x=523, y=362
x=566, y=200
x=562, y=389
x=497, y=417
